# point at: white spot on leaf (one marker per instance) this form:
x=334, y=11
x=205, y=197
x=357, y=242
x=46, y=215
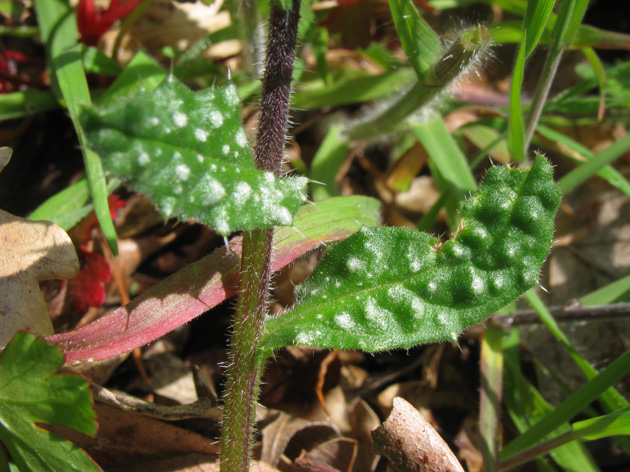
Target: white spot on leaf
x=216, y=118
x=180, y=119
x=201, y=135
x=182, y=171
x=143, y=159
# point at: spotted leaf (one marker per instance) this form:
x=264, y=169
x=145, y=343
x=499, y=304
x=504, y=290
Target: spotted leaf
x=189, y=153
x=386, y=288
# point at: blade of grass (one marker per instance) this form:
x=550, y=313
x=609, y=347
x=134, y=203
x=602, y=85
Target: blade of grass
x=326, y=163
x=355, y=90
x=527, y=407
x=57, y=24
x=607, y=172
x=421, y=44
x=490, y=142
x=599, y=385
x=600, y=75
x=613, y=424
x=26, y=102
x=536, y=17
x=569, y=18
x=69, y=206
x=578, y=175
x=608, y=294
x=446, y=155
x=491, y=364
x=428, y=219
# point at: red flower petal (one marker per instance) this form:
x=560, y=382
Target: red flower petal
x=94, y=23
x=87, y=288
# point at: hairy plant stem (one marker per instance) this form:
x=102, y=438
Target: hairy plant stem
x=245, y=369
x=246, y=361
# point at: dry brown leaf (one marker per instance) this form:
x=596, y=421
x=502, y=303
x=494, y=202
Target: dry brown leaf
x=128, y=439
x=411, y=444
x=338, y=454
x=364, y=420
x=30, y=251
x=5, y=156
x=278, y=434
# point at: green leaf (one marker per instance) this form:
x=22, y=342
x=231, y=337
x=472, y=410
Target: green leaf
x=31, y=393
x=142, y=72
x=421, y=44
x=189, y=153
x=387, y=288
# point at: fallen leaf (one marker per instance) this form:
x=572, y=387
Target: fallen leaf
x=30, y=251
x=278, y=434
x=337, y=454
x=411, y=444
x=126, y=438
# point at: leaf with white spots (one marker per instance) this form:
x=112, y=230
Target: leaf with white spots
x=386, y=288
x=188, y=152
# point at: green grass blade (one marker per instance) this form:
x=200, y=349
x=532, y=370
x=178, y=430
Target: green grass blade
x=604, y=426
x=536, y=18
x=586, y=170
x=57, y=23
x=598, y=385
x=600, y=75
x=490, y=395
x=356, y=90
x=607, y=172
x=26, y=102
x=527, y=408
x=575, y=16
x=69, y=206
x=326, y=163
x=612, y=399
x=446, y=155
x=571, y=13
x=607, y=294
x=573, y=405
x=428, y=220
x=516, y=127
x=421, y=44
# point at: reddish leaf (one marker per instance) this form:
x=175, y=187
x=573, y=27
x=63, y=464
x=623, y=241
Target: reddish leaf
x=206, y=283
